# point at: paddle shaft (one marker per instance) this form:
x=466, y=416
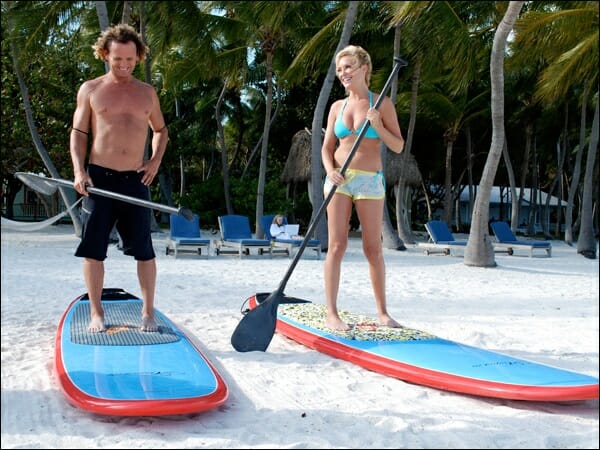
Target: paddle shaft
x=33, y=179
x=398, y=63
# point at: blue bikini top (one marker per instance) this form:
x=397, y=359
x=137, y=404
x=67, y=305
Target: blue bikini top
x=341, y=131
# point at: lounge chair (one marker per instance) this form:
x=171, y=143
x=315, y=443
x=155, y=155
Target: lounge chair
x=237, y=238
x=184, y=236
x=441, y=239
x=288, y=245
x=506, y=239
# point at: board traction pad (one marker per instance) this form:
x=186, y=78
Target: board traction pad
x=122, y=326
x=363, y=328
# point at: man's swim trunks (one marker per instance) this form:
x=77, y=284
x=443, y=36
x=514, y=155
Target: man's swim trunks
x=99, y=215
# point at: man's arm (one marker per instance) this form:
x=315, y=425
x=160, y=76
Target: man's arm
x=160, y=137
x=78, y=141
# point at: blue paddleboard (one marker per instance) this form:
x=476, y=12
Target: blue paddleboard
x=128, y=372
x=421, y=358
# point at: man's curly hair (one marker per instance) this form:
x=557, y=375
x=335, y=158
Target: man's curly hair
x=120, y=33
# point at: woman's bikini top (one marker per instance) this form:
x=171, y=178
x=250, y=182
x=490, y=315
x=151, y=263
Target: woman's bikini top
x=341, y=131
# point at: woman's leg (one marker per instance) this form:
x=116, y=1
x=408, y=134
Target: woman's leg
x=370, y=214
x=338, y=218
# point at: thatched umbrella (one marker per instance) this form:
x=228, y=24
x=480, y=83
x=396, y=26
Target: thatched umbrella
x=297, y=166
x=402, y=166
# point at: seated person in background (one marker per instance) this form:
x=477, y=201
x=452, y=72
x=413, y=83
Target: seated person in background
x=279, y=229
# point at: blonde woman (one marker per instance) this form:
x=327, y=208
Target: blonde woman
x=362, y=186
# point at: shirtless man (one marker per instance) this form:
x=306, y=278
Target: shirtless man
x=115, y=110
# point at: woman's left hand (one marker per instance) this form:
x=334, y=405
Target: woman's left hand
x=374, y=118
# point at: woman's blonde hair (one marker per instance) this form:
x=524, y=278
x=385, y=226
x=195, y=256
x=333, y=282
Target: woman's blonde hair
x=361, y=56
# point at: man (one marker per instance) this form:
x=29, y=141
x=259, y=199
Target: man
x=115, y=110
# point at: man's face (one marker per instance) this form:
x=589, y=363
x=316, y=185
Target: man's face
x=122, y=58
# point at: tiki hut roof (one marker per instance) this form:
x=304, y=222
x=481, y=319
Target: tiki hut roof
x=403, y=165
x=297, y=166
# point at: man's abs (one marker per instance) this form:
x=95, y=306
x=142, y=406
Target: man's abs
x=119, y=159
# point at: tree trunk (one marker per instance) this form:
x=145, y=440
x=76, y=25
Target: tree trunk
x=574, y=186
x=391, y=237
x=524, y=170
x=514, y=216
x=586, y=243
x=316, y=170
x=262, y=172
x=36, y=137
x=224, y=164
x=479, y=251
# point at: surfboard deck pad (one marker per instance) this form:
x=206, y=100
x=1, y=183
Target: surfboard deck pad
x=122, y=320
x=362, y=327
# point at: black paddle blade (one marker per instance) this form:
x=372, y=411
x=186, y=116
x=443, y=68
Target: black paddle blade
x=256, y=329
x=37, y=183
x=186, y=212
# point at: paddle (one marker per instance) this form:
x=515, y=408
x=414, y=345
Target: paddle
x=48, y=186
x=255, y=330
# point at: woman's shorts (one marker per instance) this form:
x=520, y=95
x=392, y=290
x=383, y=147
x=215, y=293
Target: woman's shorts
x=359, y=185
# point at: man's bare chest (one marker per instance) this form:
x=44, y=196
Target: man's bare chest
x=116, y=102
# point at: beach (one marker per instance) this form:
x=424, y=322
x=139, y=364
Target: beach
x=544, y=309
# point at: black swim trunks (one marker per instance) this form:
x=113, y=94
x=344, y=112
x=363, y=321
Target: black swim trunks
x=99, y=214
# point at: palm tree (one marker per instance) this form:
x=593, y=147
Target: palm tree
x=565, y=36
x=440, y=39
x=479, y=251
x=319, y=114
x=19, y=12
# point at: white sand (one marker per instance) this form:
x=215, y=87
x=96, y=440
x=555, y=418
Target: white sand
x=544, y=309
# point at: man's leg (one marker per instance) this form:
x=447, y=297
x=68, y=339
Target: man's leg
x=93, y=272
x=147, y=278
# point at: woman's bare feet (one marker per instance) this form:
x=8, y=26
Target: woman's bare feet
x=96, y=324
x=149, y=324
x=386, y=321
x=335, y=323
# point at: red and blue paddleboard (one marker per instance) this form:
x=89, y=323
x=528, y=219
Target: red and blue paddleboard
x=421, y=358
x=128, y=372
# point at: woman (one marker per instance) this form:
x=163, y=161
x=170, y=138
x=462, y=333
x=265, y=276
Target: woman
x=278, y=229
x=363, y=183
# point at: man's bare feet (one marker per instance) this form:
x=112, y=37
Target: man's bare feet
x=335, y=323
x=387, y=321
x=149, y=324
x=97, y=325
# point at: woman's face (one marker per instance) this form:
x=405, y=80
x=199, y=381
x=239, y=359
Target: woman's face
x=348, y=69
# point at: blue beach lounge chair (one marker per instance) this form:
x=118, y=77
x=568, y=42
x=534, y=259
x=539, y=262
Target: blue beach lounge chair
x=506, y=239
x=441, y=239
x=237, y=238
x=184, y=236
x=288, y=245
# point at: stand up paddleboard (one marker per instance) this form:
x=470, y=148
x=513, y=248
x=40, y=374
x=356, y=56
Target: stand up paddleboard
x=421, y=358
x=128, y=372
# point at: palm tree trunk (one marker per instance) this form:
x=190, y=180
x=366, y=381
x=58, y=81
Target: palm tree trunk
x=316, y=170
x=36, y=137
x=574, y=186
x=586, y=243
x=514, y=215
x=479, y=251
